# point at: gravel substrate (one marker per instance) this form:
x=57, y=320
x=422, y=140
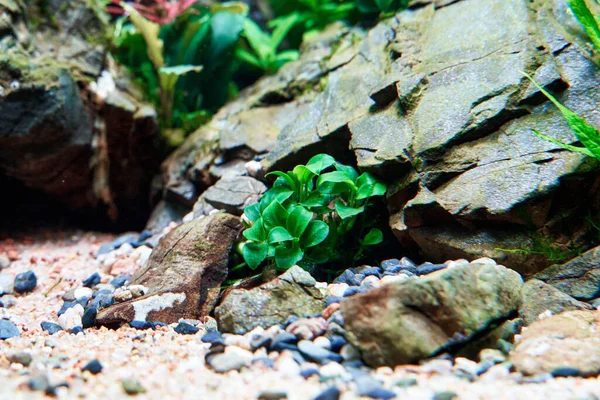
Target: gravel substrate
x=162, y=363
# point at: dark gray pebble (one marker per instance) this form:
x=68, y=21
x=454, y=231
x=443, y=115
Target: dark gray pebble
x=445, y=396
x=25, y=282
x=76, y=330
x=428, y=268
x=266, y=361
x=337, y=318
x=316, y=353
x=353, y=363
x=211, y=336
x=93, y=367
x=102, y=300
x=261, y=341
x=50, y=327
x=120, y=280
x=331, y=393
x=183, y=328
x=121, y=240
x=564, y=372
x=92, y=280
x=38, y=382
x=344, y=276
x=8, y=330
x=143, y=325
x=308, y=372
x=371, y=271
x=337, y=342
x=104, y=249
x=351, y=291
x=332, y=300
x=272, y=395
x=283, y=338
x=89, y=317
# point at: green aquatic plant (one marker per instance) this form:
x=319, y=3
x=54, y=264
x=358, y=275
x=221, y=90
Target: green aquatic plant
x=264, y=54
x=587, y=134
x=587, y=19
x=310, y=215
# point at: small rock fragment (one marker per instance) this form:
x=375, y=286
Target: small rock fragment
x=94, y=367
x=8, y=330
x=132, y=386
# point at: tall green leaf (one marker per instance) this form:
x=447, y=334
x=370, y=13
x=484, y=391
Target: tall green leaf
x=587, y=19
x=588, y=135
x=150, y=31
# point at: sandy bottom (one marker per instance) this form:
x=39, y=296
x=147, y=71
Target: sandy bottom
x=169, y=365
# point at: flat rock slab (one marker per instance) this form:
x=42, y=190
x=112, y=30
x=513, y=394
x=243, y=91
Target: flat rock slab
x=579, y=278
x=539, y=297
x=405, y=322
x=233, y=194
x=183, y=275
x=568, y=340
x=293, y=293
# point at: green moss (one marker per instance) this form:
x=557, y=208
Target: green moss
x=37, y=72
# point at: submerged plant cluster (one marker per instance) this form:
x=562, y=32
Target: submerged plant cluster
x=190, y=58
x=312, y=215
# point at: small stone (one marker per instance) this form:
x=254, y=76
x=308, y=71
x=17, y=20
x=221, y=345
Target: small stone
x=122, y=296
x=494, y=356
x=331, y=393
x=405, y=382
x=565, y=372
x=132, y=386
x=105, y=248
x=102, y=300
x=428, y=268
x=6, y=284
x=323, y=342
x=124, y=239
x=211, y=336
x=92, y=280
x=21, y=357
x=332, y=370
x=272, y=395
x=349, y=353
x=71, y=318
x=314, y=352
x=337, y=289
x=445, y=396
x=50, y=327
x=337, y=342
x=120, y=280
x=308, y=372
x=369, y=387
x=185, y=328
x=351, y=291
x=66, y=305
x=4, y=262
x=370, y=282
x=225, y=362
x=496, y=373
x=282, y=338
x=38, y=382
x=8, y=301
x=8, y=330
x=141, y=325
x=82, y=292
x=89, y=317
x=49, y=342
x=76, y=330
x=94, y=367
x=137, y=290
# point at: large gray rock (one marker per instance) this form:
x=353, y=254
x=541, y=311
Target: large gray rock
x=233, y=194
x=183, y=275
x=538, y=297
x=67, y=129
x=408, y=321
x=579, y=278
x=292, y=293
x=569, y=340
x=433, y=101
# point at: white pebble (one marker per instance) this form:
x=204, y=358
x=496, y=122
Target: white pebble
x=333, y=370
x=189, y=217
x=125, y=249
x=337, y=289
x=82, y=292
x=254, y=168
x=462, y=364
x=439, y=366
x=457, y=263
x=287, y=366
x=371, y=281
x=387, y=279
x=495, y=373
x=323, y=342
x=137, y=290
x=237, y=340
x=71, y=318
x=15, y=85
x=144, y=255
x=321, y=285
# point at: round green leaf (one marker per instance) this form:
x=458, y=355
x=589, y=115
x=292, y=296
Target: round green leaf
x=279, y=234
x=275, y=215
x=254, y=253
x=303, y=174
x=315, y=233
x=286, y=257
x=350, y=171
x=288, y=179
x=298, y=220
x=256, y=232
x=252, y=212
x=279, y=194
x=346, y=212
x=373, y=237
x=320, y=162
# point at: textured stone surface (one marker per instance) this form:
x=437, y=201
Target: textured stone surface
x=538, y=297
x=65, y=130
x=234, y=194
x=433, y=101
x=409, y=321
x=569, y=340
x=272, y=303
x=183, y=275
x=579, y=278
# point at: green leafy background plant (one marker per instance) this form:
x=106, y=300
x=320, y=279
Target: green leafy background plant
x=310, y=216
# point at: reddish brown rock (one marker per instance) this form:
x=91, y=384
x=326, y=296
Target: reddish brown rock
x=183, y=274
